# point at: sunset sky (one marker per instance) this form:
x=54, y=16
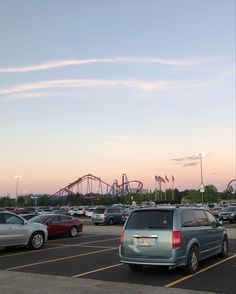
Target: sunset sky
x=112, y=87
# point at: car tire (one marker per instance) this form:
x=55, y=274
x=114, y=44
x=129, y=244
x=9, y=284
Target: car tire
x=73, y=231
x=36, y=241
x=96, y=224
x=135, y=267
x=111, y=221
x=193, y=260
x=225, y=248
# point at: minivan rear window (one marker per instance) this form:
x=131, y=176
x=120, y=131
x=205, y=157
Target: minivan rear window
x=150, y=219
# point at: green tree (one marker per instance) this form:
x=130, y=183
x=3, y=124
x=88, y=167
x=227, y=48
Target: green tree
x=43, y=200
x=20, y=201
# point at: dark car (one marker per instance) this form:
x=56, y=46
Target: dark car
x=111, y=215
x=228, y=214
x=114, y=215
x=59, y=225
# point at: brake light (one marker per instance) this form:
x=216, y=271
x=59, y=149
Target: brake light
x=122, y=238
x=176, y=239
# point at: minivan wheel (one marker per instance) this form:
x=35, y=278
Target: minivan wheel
x=135, y=267
x=73, y=232
x=36, y=241
x=193, y=260
x=225, y=248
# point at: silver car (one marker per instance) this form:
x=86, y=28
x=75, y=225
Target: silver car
x=16, y=231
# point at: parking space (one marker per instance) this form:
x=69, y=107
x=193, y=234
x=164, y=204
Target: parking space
x=95, y=256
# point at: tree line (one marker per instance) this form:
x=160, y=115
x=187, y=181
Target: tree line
x=210, y=195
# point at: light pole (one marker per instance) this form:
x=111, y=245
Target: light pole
x=202, y=189
x=17, y=184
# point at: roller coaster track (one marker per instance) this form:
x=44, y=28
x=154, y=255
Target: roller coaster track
x=229, y=186
x=91, y=186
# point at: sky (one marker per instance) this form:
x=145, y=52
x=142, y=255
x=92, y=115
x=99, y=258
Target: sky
x=112, y=87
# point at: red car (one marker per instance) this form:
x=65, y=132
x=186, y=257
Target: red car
x=59, y=224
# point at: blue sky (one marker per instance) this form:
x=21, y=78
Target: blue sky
x=107, y=87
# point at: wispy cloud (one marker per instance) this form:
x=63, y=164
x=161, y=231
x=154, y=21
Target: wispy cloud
x=187, y=161
x=190, y=164
x=28, y=95
x=135, y=60
x=85, y=83
x=194, y=157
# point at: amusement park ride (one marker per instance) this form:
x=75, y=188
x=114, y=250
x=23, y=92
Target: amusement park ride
x=90, y=186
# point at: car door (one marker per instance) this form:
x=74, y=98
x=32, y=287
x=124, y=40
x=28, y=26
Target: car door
x=17, y=230
x=203, y=233
x=3, y=230
x=65, y=223
x=215, y=234
x=53, y=225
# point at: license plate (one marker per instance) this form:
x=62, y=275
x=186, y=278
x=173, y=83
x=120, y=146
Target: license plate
x=146, y=241
x=224, y=217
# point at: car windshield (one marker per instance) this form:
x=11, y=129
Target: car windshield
x=39, y=219
x=150, y=219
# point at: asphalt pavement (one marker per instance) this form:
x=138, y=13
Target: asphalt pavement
x=20, y=282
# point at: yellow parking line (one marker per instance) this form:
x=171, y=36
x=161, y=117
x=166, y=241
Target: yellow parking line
x=97, y=270
x=60, y=259
x=199, y=272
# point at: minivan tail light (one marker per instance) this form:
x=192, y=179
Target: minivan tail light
x=176, y=239
x=122, y=238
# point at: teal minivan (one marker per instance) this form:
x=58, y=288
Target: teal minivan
x=171, y=236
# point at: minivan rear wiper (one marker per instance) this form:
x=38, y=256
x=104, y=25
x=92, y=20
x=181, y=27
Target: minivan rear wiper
x=155, y=227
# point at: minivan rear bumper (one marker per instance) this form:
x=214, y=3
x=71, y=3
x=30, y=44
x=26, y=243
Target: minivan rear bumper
x=177, y=259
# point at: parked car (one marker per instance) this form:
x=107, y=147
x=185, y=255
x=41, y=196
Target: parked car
x=98, y=216
x=114, y=215
x=59, y=225
x=228, y=214
x=111, y=215
x=89, y=212
x=16, y=231
x=171, y=236
x=59, y=211
x=216, y=211
x=44, y=211
x=76, y=211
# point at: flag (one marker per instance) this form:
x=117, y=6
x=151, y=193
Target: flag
x=159, y=179
x=173, y=179
x=166, y=179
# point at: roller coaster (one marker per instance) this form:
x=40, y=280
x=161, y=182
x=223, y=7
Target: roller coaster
x=90, y=186
x=231, y=186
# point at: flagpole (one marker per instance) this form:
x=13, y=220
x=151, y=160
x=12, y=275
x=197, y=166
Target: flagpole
x=165, y=190
x=160, y=196
x=172, y=188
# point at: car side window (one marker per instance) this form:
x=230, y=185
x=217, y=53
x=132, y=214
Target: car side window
x=54, y=219
x=188, y=219
x=211, y=218
x=12, y=219
x=201, y=217
x=64, y=218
